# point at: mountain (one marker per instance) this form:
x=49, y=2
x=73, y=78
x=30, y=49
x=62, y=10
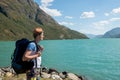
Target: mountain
x=114, y=33
x=92, y=36
x=98, y=36
x=19, y=17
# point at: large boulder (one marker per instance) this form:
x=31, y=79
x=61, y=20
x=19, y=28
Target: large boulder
x=45, y=75
x=72, y=76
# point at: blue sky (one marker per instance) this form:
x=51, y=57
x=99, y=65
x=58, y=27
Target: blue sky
x=86, y=16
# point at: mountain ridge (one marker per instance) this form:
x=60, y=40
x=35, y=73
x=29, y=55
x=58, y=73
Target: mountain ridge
x=19, y=17
x=113, y=33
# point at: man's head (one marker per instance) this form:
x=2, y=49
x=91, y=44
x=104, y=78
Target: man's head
x=38, y=32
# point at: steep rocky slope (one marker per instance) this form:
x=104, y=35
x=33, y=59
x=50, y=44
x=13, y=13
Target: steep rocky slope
x=19, y=17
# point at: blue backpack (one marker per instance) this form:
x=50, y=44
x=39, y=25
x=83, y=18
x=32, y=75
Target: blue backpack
x=17, y=64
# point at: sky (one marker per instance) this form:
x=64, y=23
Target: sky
x=85, y=16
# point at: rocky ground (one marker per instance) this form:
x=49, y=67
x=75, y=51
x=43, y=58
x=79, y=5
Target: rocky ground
x=7, y=73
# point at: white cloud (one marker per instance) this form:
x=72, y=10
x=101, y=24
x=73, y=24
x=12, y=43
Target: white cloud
x=66, y=23
x=116, y=11
x=101, y=23
x=105, y=22
x=92, y=31
x=46, y=3
x=45, y=6
x=103, y=26
x=114, y=19
x=52, y=12
x=68, y=17
x=113, y=12
x=90, y=14
x=106, y=14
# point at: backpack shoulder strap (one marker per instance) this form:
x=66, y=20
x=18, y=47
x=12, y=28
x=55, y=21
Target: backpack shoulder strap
x=37, y=48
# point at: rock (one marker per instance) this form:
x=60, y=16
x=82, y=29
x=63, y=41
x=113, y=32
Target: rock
x=81, y=77
x=45, y=75
x=56, y=77
x=72, y=76
x=53, y=71
x=23, y=79
x=44, y=69
x=6, y=69
x=63, y=75
x=8, y=74
x=2, y=73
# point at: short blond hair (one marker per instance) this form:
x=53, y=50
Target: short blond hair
x=37, y=31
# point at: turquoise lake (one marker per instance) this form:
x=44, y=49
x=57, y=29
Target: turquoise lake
x=96, y=59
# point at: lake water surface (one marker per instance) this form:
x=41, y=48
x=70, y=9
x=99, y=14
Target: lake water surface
x=96, y=59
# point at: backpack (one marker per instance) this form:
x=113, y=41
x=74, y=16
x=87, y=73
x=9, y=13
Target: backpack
x=17, y=64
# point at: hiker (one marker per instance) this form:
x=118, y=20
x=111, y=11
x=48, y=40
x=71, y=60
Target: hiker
x=33, y=52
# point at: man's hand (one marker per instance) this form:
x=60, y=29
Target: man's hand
x=41, y=48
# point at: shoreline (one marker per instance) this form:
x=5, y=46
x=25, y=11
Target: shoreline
x=50, y=74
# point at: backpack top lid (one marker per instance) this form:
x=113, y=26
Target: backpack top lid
x=22, y=42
